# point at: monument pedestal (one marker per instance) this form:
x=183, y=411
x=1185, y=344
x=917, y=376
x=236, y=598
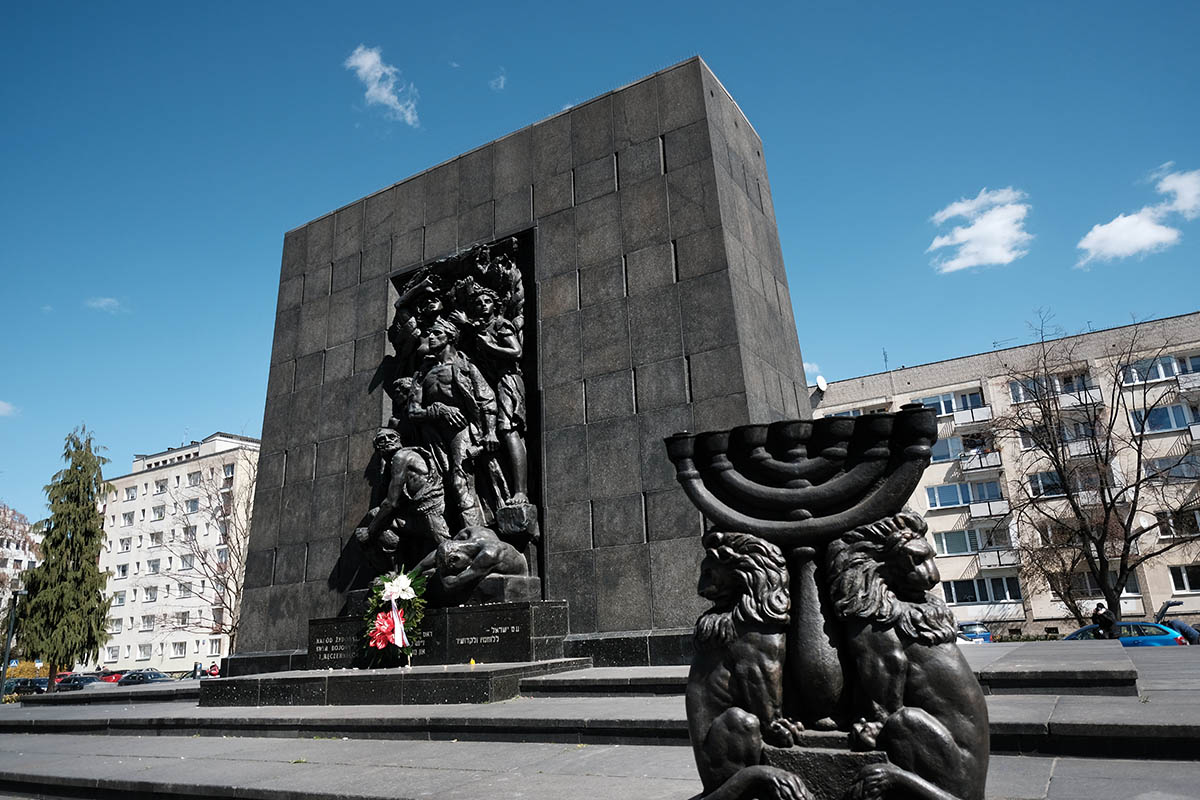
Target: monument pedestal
x=824, y=761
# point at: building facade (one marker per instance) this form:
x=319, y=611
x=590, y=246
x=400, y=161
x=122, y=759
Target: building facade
x=19, y=551
x=1125, y=405
x=175, y=530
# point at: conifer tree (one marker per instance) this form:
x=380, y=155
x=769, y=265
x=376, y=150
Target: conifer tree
x=63, y=621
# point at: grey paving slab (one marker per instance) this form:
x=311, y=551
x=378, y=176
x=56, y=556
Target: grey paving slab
x=1021, y=714
x=1099, y=779
x=1018, y=777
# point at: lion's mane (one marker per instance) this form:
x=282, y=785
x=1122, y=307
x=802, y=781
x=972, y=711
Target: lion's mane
x=857, y=590
x=761, y=575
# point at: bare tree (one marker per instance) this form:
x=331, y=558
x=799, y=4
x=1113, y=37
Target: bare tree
x=1101, y=492
x=215, y=507
x=16, y=537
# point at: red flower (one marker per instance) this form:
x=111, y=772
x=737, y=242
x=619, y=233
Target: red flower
x=383, y=633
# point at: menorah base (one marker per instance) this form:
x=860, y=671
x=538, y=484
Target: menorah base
x=827, y=765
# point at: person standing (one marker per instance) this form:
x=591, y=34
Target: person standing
x=1104, y=620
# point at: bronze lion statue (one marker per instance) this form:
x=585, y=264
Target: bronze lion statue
x=919, y=701
x=735, y=685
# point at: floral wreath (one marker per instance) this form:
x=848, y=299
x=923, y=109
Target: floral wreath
x=395, y=607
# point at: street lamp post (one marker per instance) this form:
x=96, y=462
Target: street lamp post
x=12, y=619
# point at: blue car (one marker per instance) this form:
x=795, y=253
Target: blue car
x=975, y=631
x=1133, y=634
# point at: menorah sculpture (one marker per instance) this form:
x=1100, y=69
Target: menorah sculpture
x=822, y=616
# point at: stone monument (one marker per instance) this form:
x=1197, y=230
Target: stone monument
x=826, y=667
x=495, y=347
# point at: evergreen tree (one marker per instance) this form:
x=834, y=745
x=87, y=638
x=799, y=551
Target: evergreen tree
x=63, y=621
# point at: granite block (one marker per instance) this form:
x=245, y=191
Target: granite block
x=441, y=238
x=653, y=425
x=410, y=205
x=692, y=198
x=605, y=335
x=562, y=406
x=319, y=242
x=379, y=218
x=687, y=145
x=649, y=269
x=597, y=231
x=706, y=304
x=595, y=179
x=316, y=282
x=609, y=395
x=369, y=352
x=639, y=162
x=291, y=293
x=313, y=320
x=672, y=648
x=618, y=521
x=304, y=418
x=281, y=379
x=295, y=254
x=655, y=326
x=514, y=210
x=231, y=692
x=623, y=588
x=277, y=422
x=674, y=567
x=347, y=231
x=556, y=244
x=566, y=452
x=345, y=272
x=680, y=96
x=295, y=520
x=408, y=250
x=342, y=317
x=663, y=383
x=671, y=515
x=336, y=398
x=644, y=218
x=600, y=283
x=568, y=527
x=561, y=357
x=512, y=162
x=635, y=113
x=289, y=563
x=592, y=130
x=331, y=457
x=718, y=413
x=287, y=330
x=477, y=224
x=292, y=691
x=268, y=512
x=309, y=370
x=373, y=309
x=260, y=568
x=552, y=146
x=475, y=178
x=700, y=253
x=288, y=617
x=712, y=371
x=612, y=457
x=572, y=577
x=441, y=192
x=609, y=650
x=327, y=506
x=558, y=295
x=376, y=260
x=301, y=460
x=269, y=474
x=553, y=193
x=339, y=362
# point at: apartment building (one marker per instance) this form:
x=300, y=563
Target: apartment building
x=170, y=525
x=989, y=492
x=19, y=551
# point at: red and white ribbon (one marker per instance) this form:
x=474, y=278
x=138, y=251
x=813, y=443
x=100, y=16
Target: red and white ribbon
x=398, y=635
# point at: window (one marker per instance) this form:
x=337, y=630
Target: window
x=112, y=653
x=147, y=622
x=948, y=494
x=152, y=566
x=156, y=538
x=187, y=561
x=854, y=412
x=151, y=594
x=194, y=478
x=1046, y=484
x=1178, y=523
x=118, y=598
x=214, y=647
x=127, y=519
x=941, y=404
x=1027, y=389
x=122, y=570
x=1075, y=383
x=953, y=543
x=1188, y=364
x=1001, y=589
x=189, y=533
x=191, y=506
x=181, y=617
x=970, y=399
x=131, y=493
x=125, y=543
x=228, y=470
x=223, y=555
x=143, y=652
x=160, y=486
x=947, y=449
x=1164, y=418
x=1083, y=584
x=218, y=616
x=1174, y=469
x=160, y=512
x=185, y=590
x=1149, y=369
x=1186, y=578
x=114, y=625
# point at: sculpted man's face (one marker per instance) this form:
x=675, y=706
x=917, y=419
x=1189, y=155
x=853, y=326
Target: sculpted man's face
x=430, y=305
x=387, y=442
x=483, y=304
x=437, y=340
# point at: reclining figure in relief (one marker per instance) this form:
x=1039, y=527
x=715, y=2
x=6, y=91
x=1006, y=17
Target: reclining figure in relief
x=735, y=686
x=459, y=565
x=920, y=702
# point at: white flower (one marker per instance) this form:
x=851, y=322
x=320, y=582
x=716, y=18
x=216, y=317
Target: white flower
x=398, y=588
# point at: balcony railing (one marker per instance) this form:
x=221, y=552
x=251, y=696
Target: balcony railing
x=971, y=462
x=1189, y=385
x=1084, y=397
x=990, y=508
x=1081, y=448
x=1194, y=428
x=969, y=417
x=993, y=559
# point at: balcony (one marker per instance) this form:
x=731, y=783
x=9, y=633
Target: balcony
x=1081, y=448
x=1189, y=385
x=1194, y=428
x=994, y=559
x=1081, y=398
x=970, y=418
x=978, y=463
x=991, y=508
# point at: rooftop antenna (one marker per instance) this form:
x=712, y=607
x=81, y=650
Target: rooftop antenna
x=998, y=343
x=885, y=360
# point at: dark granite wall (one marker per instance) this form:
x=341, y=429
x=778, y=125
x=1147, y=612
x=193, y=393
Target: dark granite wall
x=662, y=306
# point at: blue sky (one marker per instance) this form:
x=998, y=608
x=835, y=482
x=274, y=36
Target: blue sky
x=152, y=158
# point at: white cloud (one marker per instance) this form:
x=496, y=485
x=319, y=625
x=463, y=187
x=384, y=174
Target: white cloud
x=811, y=367
x=455, y=65
x=7, y=409
x=994, y=233
x=110, y=304
x=47, y=309
x=1144, y=232
x=383, y=83
x=499, y=82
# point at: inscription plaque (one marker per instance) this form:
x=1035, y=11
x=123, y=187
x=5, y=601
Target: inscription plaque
x=335, y=642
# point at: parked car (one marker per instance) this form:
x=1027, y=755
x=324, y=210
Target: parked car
x=109, y=676
x=73, y=683
x=31, y=685
x=58, y=678
x=975, y=631
x=1132, y=634
x=141, y=677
